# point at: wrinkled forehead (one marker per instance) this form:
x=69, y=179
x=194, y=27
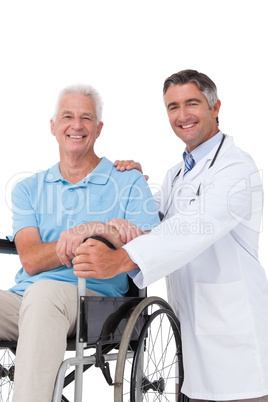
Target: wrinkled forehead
x=76, y=103
x=183, y=93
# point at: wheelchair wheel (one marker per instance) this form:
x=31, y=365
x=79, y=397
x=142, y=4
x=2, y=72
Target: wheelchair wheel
x=151, y=368
x=7, y=367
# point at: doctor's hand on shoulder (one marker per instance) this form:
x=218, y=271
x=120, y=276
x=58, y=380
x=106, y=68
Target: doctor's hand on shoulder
x=123, y=165
x=95, y=260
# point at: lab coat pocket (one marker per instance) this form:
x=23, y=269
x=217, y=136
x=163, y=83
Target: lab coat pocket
x=222, y=309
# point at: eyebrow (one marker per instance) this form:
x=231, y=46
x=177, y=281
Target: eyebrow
x=172, y=104
x=64, y=112
x=88, y=114
x=193, y=100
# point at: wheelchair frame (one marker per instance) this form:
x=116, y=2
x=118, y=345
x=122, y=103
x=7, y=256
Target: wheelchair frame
x=130, y=345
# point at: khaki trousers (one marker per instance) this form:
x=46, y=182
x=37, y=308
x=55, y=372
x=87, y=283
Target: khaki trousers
x=41, y=320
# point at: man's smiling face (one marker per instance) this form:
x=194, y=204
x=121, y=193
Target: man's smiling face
x=190, y=116
x=76, y=127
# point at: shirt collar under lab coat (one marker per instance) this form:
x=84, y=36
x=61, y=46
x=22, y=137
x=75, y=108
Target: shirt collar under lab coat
x=203, y=149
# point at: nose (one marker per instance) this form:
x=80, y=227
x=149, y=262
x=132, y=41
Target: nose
x=77, y=123
x=183, y=114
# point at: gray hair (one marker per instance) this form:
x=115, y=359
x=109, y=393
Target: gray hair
x=202, y=81
x=86, y=90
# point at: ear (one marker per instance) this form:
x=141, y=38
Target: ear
x=52, y=127
x=216, y=108
x=99, y=128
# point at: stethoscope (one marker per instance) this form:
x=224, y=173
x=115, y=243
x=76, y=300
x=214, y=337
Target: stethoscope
x=163, y=215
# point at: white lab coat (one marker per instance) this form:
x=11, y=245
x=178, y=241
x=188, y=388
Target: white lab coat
x=207, y=249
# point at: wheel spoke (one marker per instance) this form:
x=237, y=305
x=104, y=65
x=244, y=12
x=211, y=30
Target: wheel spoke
x=6, y=375
x=154, y=372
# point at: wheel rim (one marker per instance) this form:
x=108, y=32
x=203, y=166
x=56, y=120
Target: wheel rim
x=125, y=362
x=156, y=364
x=7, y=367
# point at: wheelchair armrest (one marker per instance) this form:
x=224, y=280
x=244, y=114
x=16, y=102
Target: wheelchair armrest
x=7, y=247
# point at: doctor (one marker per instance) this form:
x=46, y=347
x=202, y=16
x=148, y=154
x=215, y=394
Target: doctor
x=207, y=247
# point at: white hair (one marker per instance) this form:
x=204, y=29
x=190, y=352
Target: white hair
x=86, y=90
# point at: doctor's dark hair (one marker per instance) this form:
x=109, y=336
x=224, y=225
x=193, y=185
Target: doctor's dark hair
x=202, y=81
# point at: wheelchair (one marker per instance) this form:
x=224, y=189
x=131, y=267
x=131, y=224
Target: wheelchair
x=140, y=334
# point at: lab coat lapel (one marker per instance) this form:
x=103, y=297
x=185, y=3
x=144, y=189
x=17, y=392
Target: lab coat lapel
x=206, y=161
x=195, y=177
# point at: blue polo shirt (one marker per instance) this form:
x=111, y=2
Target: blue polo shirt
x=52, y=204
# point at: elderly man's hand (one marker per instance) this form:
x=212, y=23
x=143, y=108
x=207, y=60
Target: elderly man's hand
x=95, y=260
x=68, y=242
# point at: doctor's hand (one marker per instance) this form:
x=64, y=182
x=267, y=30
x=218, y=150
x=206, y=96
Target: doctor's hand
x=95, y=260
x=126, y=229
x=129, y=165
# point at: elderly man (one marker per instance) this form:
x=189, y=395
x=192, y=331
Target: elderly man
x=53, y=213
x=207, y=247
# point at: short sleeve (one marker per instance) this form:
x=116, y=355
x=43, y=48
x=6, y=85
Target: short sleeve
x=141, y=209
x=22, y=209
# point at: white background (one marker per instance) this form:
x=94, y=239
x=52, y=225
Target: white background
x=126, y=49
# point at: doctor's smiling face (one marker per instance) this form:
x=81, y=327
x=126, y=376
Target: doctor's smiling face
x=190, y=116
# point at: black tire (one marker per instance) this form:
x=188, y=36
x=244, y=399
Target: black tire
x=156, y=364
x=128, y=376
